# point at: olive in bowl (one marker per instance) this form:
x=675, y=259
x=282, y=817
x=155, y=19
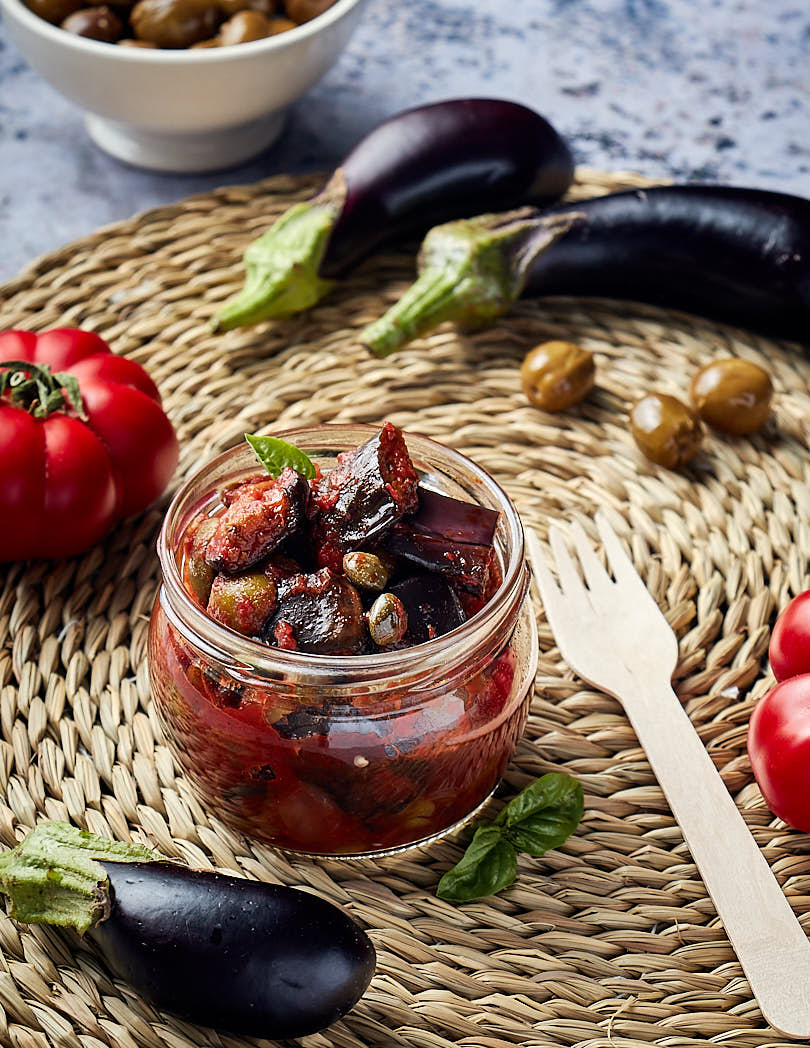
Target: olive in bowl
x=185, y=108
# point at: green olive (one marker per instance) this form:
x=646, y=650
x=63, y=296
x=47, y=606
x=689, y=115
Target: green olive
x=666, y=429
x=243, y=602
x=175, y=23
x=95, y=23
x=54, y=11
x=304, y=10
x=231, y=7
x=366, y=570
x=732, y=395
x=557, y=375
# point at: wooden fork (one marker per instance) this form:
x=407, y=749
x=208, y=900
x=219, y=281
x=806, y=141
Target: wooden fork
x=613, y=635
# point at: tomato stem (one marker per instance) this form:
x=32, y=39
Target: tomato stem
x=40, y=391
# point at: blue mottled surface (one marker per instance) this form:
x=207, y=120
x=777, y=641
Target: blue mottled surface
x=715, y=90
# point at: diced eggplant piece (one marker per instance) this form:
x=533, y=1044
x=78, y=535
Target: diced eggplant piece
x=324, y=612
x=432, y=606
x=244, y=602
x=465, y=564
x=368, y=490
x=453, y=519
x=258, y=519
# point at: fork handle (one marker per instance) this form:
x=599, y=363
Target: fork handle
x=769, y=941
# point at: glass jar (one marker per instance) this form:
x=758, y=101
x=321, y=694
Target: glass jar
x=343, y=755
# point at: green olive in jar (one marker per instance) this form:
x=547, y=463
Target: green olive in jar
x=175, y=23
x=243, y=27
x=666, y=429
x=557, y=375
x=95, y=23
x=732, y=395
x=54, y=11
x=304, y=10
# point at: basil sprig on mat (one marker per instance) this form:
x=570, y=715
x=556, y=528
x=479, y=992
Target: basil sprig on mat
x=542, y=816
x=276, y=455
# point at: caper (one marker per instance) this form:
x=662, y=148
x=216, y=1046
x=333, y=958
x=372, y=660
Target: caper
x=557, y=375
x=366, y=570
x=387, y=620
x=243, y=602
x=666, y=429
x=732, y=395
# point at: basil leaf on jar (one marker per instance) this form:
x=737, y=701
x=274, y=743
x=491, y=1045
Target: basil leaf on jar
x=488, y=865
x=543, y=815
x=276, y=455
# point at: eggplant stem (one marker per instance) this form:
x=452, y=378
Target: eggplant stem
x=281, y=266
x=53, y=877
x=470, y=272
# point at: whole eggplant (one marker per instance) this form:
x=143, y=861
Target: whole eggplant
x=421, y=167
x=442, y=161
x=242, y=956
x=732, y=254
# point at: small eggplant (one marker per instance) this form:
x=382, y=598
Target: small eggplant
x=736, y=255
x=239, y=955
x=421, y=167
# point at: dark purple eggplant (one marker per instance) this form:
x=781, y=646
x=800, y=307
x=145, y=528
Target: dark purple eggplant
x=432, y=607
x=453, y=519
x=462, y=562
x=737, y=255
x=421, y=167
x=242, y=956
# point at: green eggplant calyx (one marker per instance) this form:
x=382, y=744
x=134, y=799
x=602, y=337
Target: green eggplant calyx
x=470, y=272
x=54, y=876
x=281, y=266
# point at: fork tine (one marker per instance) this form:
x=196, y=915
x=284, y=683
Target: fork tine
x=620, y=564
x=595, y=575
x=570, y=582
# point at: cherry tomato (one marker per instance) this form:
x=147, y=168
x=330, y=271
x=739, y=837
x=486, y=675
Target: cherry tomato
x=84, y=442
x=789, y=651
x=779, y=749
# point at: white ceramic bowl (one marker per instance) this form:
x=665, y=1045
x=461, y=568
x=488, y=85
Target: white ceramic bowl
x=184, y=110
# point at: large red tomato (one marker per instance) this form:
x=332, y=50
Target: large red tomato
x=779, y=749
x=789, y=650
x=84, y=442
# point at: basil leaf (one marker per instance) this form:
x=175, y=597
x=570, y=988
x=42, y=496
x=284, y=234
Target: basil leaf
x=543, y=815
x=488, y=864
x=275, y=455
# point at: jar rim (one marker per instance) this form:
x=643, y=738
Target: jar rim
x=253, y=656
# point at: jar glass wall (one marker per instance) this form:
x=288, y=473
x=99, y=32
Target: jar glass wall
x=344, y=755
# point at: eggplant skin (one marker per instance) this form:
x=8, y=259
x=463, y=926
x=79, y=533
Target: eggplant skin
x=240, y=956
x=442, y=161
x=737, y=255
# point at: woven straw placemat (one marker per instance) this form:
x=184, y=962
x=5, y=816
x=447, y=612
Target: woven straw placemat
x=608, y=941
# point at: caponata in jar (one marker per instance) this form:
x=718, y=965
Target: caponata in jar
x=353, y=760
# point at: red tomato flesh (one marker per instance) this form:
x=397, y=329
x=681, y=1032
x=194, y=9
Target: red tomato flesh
x=779, y=749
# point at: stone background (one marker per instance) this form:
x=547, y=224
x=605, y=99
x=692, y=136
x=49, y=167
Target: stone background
x=715, y=90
